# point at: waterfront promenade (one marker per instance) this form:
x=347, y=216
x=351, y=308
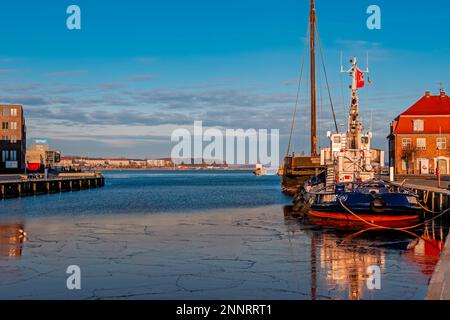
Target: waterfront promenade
x=439, y=288
x=12, y=186
x=424, y=180
x=437, y=199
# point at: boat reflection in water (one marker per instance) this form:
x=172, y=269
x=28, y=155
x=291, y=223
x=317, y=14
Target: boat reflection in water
x=12, y=237
x=425, y=251
x=342, y=253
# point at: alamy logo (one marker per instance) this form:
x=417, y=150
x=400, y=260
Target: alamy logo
x=374, y=279
x=374, y=20
x=73, y=22
x=74, y=280
x=228, y=146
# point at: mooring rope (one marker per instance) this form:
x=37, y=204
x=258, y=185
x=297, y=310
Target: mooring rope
x=425, y=196
x=390, y=228
x=426, y=209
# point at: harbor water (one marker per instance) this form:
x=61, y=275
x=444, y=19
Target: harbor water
x=200, y=235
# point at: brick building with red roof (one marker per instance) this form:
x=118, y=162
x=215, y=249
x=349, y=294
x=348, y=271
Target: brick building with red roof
x=419, y=141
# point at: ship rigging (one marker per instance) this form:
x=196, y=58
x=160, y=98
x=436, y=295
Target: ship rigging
x=297, y=169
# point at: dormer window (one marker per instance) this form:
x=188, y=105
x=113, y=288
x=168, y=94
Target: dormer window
x=418, y=125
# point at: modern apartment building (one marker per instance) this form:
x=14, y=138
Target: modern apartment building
x=12, y=139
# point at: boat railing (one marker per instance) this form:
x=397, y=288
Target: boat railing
x=322, y=191
x=355, y=185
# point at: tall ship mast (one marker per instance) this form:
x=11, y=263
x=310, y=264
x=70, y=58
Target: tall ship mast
x=297, y=169
x=312, y=46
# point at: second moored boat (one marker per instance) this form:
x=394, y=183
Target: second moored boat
x=347, y=189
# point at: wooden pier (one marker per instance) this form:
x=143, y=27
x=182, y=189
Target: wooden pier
x=437, y=200
x=66, y=182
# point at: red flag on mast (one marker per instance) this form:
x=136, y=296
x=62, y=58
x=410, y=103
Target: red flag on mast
x=359, y=79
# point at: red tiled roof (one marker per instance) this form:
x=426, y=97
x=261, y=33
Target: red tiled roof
x=430, y=105
x=433, y=110
x=432, y=125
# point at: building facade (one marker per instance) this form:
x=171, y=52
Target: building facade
x=93, y=162
x=118, y=162
x=419, y=140
x=159, y=163
x=13, y=139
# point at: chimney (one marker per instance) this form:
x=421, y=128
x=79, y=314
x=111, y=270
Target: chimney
x=443, y=93
x=427, y=93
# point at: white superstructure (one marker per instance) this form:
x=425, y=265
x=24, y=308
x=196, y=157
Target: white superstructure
x=350, y=156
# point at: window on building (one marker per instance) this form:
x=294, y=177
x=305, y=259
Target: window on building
x=406, y=144
x=5, y=155
x=418, y=125
x=14, y=125
x=421, y=143
x=4, y=125
x=5, y=112
x=13, y=155
x=13, y=112
x=441, y=143
x=13, y=139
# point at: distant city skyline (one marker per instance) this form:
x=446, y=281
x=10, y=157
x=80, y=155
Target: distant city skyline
x=137, y=70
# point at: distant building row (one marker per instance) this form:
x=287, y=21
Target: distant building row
x=120, y=163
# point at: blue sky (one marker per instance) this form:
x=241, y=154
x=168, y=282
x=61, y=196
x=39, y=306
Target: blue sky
x=139, y=69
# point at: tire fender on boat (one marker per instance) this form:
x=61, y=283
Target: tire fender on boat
x=377, y=205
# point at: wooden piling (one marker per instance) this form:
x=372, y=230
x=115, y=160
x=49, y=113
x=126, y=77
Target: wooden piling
x=434, y=198
x=432, y=201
